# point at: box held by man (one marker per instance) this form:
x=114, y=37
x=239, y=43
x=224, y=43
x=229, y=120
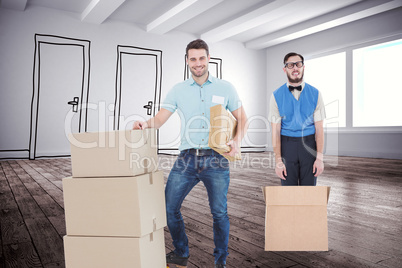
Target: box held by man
x=222, y=130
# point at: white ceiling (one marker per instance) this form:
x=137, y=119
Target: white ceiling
x=256, y=23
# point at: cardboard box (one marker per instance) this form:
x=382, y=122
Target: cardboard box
x=123, y=252
x=222, y=130
x=115, y=153
x=296, y=218
x=119, y=206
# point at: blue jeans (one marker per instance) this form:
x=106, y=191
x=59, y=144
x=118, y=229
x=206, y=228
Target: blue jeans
x=188, y=170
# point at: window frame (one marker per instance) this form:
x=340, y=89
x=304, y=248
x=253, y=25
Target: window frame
x=348, y=49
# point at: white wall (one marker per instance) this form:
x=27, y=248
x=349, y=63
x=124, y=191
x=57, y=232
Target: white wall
x=383, y=143
x=242, y=67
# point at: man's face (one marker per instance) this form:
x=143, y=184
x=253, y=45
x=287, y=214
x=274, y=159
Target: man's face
x=197, y=60
x=295, y=75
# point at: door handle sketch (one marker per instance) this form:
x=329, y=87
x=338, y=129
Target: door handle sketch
x=148, y=107
x=74, y=103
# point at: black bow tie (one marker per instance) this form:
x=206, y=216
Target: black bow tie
x=291, y=88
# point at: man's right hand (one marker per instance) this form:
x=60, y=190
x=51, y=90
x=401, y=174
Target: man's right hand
x=280, y=170
x=140, y=125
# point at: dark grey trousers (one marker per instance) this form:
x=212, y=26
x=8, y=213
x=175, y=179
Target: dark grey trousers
x=299, y=154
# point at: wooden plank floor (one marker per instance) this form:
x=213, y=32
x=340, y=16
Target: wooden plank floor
x=364, y=214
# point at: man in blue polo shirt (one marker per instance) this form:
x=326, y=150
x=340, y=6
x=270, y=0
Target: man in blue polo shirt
x=297, y=116
x=197, y=162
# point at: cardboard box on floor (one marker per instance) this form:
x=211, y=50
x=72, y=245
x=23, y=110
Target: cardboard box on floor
x=122, y=252
x=296, y=218
x=222, y=130
x=115, y=153
x=119, y=206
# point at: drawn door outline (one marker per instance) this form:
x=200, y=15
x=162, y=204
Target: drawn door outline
x=83, y=102
x=215, y=61
x=133, y=50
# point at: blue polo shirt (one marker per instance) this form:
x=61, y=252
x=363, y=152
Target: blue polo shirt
x=192, y=102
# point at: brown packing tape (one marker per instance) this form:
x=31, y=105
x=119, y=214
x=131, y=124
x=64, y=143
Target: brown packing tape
x=328, y=191
x=151, y=237
x=151, y=179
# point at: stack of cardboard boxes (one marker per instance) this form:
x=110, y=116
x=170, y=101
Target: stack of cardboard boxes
x=114, y=203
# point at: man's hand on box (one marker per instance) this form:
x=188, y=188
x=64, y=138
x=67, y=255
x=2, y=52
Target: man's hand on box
x=140, y=125
x=234, y=148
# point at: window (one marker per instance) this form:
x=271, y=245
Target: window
x=377, y=91
x=328, y=75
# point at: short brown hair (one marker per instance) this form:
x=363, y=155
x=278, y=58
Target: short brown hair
x=197, y=44
x=291, y=54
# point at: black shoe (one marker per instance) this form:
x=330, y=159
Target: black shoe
x=220, y=265
x=172, y=258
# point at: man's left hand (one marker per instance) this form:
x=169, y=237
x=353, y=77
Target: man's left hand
x=318, y=167
x=234, y=148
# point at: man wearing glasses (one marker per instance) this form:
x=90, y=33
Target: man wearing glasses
x=297, y=116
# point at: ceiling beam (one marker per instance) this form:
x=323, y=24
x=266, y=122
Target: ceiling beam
x=359, y=11
x=255, y=18
x=99, y=10
x=179, y=14
x=14, y=4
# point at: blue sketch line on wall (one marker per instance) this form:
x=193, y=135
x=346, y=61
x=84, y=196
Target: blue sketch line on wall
x=82, y=101
x=153, y=102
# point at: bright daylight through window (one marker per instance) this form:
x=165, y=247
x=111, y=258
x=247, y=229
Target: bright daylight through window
x=377, y=91
x=328, y=75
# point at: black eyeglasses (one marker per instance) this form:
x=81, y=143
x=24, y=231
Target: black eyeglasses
x=290, y=65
